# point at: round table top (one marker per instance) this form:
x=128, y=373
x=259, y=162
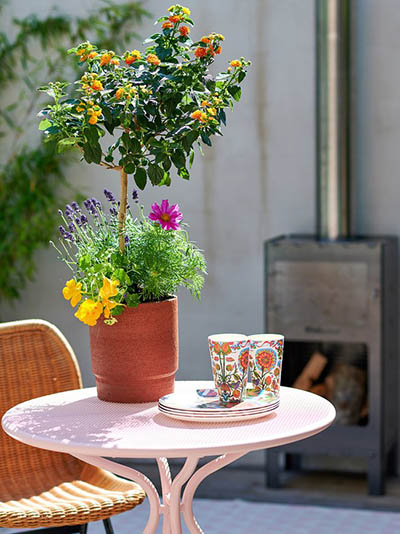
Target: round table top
x=77, y=422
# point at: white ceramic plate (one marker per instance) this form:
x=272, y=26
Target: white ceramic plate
x=215, y=419
x=203, y=405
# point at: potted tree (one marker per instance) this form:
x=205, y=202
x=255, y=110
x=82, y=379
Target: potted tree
x=157, y=105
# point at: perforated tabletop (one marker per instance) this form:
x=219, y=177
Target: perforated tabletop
x=78, y=422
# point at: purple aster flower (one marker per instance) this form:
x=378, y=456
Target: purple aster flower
x=109, y=196
x=167, y=216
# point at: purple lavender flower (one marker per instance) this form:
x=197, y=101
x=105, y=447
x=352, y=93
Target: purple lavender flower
x=60, y=213
x=113, y=211
x=84, y=219
x=69, y=212
x=65, y=234
x=96, y=203
x=135, y=195
x=92, y=205
x=75, y=206
x=71, y=227
x=127, y=240
x=109, y=196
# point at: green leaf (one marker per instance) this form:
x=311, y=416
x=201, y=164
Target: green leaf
x=166, y=180
x=189, y=139
x=167, y=164
x=156, y=173
x=140, y=178
x=44, y=124
x=222, y=116
x=191, y=157
x=178, y=158
x=206, y=139
x=129, y=168
x=84, y=262
x=235, y=91
x=65, y=144
x=121, y=276
x=184, y=173
x=242, y=76
x=132, y=300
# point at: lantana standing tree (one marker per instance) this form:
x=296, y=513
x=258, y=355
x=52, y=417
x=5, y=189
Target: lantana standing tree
x=161, y=103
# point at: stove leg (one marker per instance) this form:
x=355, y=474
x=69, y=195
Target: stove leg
x=272, y=469
x=376, y=474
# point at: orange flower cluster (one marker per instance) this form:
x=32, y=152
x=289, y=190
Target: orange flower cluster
x=108, y=57
x=153, y=59
x=184, y=30
x=94, y=114
x=131, y=57
x=212, y=45
x=126, y=92
x=90, y=83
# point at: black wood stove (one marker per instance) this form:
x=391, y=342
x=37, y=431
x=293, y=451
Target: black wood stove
x=335, y=296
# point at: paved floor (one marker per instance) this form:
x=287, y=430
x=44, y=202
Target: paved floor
x=240, y=517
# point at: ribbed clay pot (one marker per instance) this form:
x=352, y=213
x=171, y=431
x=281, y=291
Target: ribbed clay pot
x=135, y=359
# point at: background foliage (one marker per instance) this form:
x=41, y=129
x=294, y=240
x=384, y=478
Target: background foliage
x=31, y=174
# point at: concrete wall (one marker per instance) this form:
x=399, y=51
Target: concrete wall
x=258, y=180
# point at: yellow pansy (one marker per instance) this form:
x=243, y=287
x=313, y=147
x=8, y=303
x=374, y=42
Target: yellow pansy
x=109, y=288
x=72, y=290
x=89, y=311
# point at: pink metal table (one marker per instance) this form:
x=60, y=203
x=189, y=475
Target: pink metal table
x=76, y=422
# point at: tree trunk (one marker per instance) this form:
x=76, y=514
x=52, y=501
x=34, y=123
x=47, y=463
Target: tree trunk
x=122, y=210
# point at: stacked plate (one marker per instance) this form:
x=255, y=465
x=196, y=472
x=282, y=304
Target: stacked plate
x=202, y=405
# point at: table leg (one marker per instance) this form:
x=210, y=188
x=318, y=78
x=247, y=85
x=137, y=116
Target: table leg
x=172, y=504
x=135, y=476
x=193, y=484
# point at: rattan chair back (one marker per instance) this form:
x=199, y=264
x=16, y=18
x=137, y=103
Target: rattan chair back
x=35, y=360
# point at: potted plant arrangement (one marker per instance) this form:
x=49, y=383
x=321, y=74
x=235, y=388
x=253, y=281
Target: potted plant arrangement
x=157, y=105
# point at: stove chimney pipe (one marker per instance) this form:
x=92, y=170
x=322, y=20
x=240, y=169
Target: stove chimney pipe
x=333, y=118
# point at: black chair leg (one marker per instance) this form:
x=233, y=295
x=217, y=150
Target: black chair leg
x=83, y=529
x=108, y=526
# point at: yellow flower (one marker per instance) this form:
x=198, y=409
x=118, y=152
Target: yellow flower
x=153, y=59
x=119, y=93
x=212, y=111
x=80, y=109
x=115, y=61
x=93, y=119
x=89, y=311
x=109, y=288
x=235, y=63
x=171, y=8
x=186, y=10
x=72, y=290
x=205, y=103
x=92, y=55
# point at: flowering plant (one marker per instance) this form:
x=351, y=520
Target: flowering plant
x=160, y=103
x=158, y=257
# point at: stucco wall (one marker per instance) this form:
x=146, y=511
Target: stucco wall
x=258, y=180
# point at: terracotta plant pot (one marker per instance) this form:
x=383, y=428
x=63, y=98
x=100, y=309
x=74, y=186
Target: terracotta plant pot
x=135, y=359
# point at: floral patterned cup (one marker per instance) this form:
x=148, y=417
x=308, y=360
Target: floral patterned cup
x=266, y=353
x=230, y=361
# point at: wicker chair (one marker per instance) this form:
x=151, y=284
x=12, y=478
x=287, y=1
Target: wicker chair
x=40, y=488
